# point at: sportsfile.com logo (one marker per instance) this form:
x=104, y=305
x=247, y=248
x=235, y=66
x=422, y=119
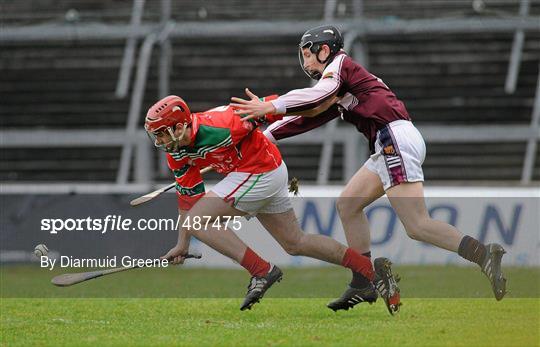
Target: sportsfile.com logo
x=118, y=223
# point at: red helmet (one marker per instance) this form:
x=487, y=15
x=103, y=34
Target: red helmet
x=165, y=115
x=167, y=112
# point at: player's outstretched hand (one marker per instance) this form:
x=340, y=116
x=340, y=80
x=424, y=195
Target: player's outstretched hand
x=175, y=255
x=253, y=108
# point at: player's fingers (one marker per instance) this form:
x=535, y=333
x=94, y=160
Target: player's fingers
x=238, y=107
x=251, y=95
x=167, y=256
x=240, y=101
x=178, y=260
x=242, y=111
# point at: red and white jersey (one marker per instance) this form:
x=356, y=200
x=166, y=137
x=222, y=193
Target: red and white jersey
x=366, y=101
x=222, y=140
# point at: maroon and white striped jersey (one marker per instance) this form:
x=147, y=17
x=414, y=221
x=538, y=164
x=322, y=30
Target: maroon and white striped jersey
x=366, y=101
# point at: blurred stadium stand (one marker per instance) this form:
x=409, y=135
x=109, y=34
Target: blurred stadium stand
x=111, y=11
x=444, y=79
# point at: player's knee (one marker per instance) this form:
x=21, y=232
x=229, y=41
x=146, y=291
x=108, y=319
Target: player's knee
x=347, y=206
x=413, y=233
x=415, y=230
x=292, y=249
x=293, y=246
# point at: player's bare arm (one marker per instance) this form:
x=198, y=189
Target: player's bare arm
x=176, y=255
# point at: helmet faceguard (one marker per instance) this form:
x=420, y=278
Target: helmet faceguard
x=168, y=115
x=174, y=144
x=314, y=39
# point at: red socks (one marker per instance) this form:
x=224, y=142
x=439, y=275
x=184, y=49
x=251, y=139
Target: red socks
x=352, y=260
x=256, y=265
x=358, y=263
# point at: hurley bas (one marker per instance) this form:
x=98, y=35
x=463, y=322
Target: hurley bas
x=125, y=261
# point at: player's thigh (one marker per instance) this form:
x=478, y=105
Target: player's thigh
x=212, y=206
x=283, y=227
x=256, y=193
x=408, y=201
x=362, y=189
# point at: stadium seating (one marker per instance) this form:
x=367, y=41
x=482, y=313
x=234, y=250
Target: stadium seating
x=444, y=79
x=34, y=11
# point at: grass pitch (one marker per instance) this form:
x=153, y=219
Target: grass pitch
x=443, y=306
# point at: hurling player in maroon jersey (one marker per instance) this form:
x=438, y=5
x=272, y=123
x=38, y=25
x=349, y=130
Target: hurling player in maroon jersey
x=346, y=89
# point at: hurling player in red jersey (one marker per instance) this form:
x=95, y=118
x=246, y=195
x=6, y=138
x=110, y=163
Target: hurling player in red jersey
x=255, y=184
x=346, y=89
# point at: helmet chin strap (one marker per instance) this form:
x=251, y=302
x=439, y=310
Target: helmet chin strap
x=321, y=61
x=176, y=139
x=317, y=75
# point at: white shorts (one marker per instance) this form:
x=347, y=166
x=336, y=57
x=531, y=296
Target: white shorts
x=400, y=151
x=256, y=193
